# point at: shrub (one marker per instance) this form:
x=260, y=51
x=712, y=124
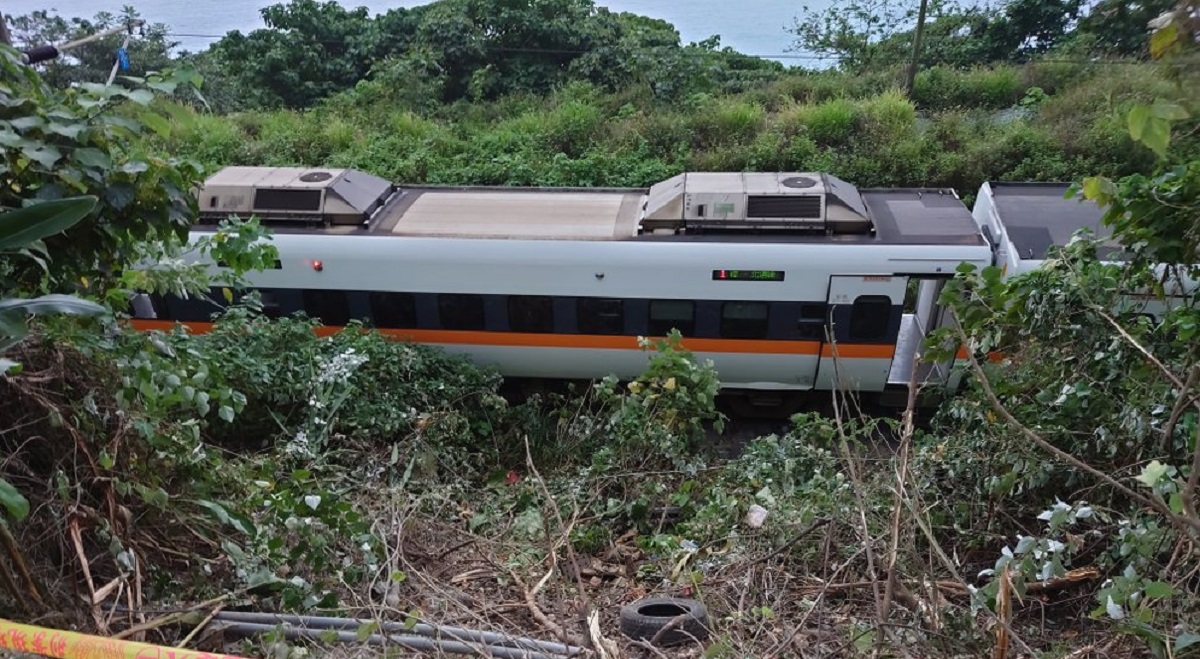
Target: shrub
x=831, y=123
x=941, y=87
x=572, y=127
x=889, y=115
x=214, y=141
x=726, y=121
x=278, y=366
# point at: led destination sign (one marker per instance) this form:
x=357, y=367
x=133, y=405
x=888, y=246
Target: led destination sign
x=747, y=275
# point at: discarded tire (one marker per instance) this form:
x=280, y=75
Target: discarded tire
x=645, y=618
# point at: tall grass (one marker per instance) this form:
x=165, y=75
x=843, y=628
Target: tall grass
x=949, y=134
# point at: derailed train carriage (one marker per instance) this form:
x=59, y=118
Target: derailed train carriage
x=788, y=282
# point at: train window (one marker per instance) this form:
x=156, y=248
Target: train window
x=744, y=320
x=393, y=310
x=531, y=313
x=869, y=317
x=600, y=316
x=810, y=331
x=459, y=311
x=330, y=307
x=191, y=309
x=666, y=315
x=812, y=312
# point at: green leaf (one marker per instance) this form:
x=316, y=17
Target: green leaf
x=134, y=166
x=1157, y=135
x=156, y=123
x=12, y=140
x=1163, y=39
x=51, y=304
x=16, y=505
x=1158, y=589
x=119, y=195
x=365, y=630
x=1153, y=473
x=1186, y=640
x=69, y=131
x=223, y=516
x=140, y=96
x=1168, y=111
x=27, y=122
x=226, y=413
x=44, y=156
x=1098, y=188
x=91, y=157
x=1138, y=116
x=1175, y=503
x=162, y=87
x=9, y=367
x=24, y=226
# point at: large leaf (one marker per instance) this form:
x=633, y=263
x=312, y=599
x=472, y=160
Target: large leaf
x=24, y=226
x=50, y=304
x=12, y=501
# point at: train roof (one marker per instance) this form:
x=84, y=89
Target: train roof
x=1039, y=216
x=702, y=207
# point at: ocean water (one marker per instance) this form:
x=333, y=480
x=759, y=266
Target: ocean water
x=754, y=27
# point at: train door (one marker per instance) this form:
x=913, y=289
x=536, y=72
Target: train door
x=863, y=314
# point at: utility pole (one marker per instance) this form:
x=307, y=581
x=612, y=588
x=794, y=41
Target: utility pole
x=911, y=75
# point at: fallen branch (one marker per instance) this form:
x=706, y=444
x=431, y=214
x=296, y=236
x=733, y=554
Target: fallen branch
x=790, y=543
x=951, y=588
x=77, y=541
x=536, y=612
x=1004, y=613
x=605, y=648
x=1058, y=583
x=200, y=627
x=161, y=621
x=11, y=586
x=18, y=560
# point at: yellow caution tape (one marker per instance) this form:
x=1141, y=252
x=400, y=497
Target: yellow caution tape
x=72, y=645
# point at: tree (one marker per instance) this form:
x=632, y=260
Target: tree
x=1119, y=27
x=865, y=33
x=308, y=51
x=65, y=143
x=488, y=48
x=87, y=141
x=854, y=32
x=149, y=48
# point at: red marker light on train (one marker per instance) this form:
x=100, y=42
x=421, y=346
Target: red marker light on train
x=318, y=266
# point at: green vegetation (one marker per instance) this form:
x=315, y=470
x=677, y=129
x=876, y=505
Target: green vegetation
x=1050, y=506
x=1029, y=122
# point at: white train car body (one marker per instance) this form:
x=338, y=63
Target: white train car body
x=787, y=282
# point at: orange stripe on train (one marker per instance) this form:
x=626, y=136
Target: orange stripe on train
x=593, y=341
